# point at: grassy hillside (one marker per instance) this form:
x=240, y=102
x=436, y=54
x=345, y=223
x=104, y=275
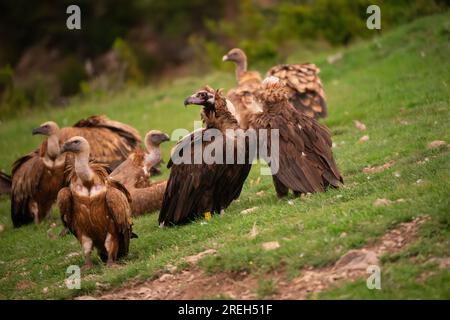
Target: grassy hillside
x=398, y=85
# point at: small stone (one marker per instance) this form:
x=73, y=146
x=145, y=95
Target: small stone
x=436, y=144
x=271, y=245
x=363, y=139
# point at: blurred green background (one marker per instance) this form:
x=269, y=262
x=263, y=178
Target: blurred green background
x=136, y=42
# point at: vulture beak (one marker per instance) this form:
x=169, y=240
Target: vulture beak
x=193, y=100
x=225, y=58
x=64, y=148
x=38, y=130
x=165, y=137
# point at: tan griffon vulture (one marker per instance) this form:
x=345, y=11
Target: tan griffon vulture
x=95, y=208
x=134, y=173
x=196, y=188
x=305, y=161
x=304, y=87
x=38, y=176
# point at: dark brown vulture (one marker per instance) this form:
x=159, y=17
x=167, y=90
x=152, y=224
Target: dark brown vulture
x=305, y=90
x=136, y=170
x=134, y=173
x=38, y=176
x=305, y=162
x=5, y=183
x=196, y=186
x=95, y=208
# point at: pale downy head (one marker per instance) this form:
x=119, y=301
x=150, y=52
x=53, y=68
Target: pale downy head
x=235, y=55
x=155, y=138
x=47, y=129
x=76, y=145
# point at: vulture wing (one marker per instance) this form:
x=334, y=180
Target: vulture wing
x=26, y=176
x=305, y=88
x=111, y=141
x=5, y=183
x=65, y=205
x=146, y=200
x=118, y=202
x=131, y=172
x=193, y=189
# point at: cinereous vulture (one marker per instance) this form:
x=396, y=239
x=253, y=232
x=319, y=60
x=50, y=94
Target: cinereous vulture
x=305, y=163
x=95, y=208
x=196, y=188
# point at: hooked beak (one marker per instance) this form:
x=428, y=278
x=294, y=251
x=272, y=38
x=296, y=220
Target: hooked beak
x=225, y=58
x=38, y=130
x=65, y=148
x=193, y=100
x=165, y=137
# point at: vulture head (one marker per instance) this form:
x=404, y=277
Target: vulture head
x=204, y=97
x=76, y=145
x=235, y=55
x=155, y=138
x=47, y=129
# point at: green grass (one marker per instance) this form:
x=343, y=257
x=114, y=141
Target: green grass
x=402, y=76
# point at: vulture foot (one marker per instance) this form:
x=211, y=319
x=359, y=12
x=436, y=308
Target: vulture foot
x=63, y=232
x=87, y=266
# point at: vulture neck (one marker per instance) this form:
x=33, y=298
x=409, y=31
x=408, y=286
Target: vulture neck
x=53, y=149
x=153, y=157
x=82, y=169
x=241, y=68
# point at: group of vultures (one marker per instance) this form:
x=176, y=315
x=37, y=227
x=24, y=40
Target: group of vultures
x=99, y=174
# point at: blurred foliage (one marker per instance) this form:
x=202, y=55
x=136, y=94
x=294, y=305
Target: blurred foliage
x=151, y=38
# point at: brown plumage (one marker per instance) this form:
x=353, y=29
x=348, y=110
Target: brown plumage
x=95, y=208
x=136, y=170
x=111, y=141
x=305, y=89
x=5, y=183
x=149, y=199
x=36, y=179
x=198, y=187
x=305, y=163
x=38, y=176
x=134, y=173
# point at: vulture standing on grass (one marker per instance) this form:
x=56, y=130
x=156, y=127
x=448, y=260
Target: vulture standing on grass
x=305, y=162
x=304, y=87
x=201, y=187
x=134, y=173
x=38, y=176
x=5, y=183
x=95, y=208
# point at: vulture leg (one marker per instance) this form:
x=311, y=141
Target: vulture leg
x=34, y=209
x=222, y=212
x=87, y=244
x=280, y=188
x=112, y=248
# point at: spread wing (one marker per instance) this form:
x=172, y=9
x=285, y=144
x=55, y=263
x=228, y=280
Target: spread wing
x=110, y=141
x=305, y=87
x=118, y=202
x=5, y=183
x=26, y=176
x=65, y=205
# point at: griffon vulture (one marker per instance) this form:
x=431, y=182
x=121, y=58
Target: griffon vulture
x=134, y=174
x=95, y=208
x=38, y=176
x=304, y=87
x=5, y=183
x=196, y=186
x=136, y=170
x=305, y=163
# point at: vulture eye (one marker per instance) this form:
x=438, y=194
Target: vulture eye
x=76, y=142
